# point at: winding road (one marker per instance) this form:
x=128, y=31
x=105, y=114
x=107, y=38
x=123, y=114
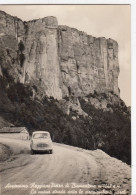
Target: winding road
x=24, y=174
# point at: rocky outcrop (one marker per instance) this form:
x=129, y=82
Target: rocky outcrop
x=87, y=63
x=61, y=60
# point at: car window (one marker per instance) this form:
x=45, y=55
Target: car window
x=40, y=135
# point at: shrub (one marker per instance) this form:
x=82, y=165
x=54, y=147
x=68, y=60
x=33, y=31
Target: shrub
x=22, y=59
x=21, y=46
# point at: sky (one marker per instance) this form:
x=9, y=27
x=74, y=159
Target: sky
x=109, y=21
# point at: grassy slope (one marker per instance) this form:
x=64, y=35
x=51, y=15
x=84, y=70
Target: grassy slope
x=107, y=131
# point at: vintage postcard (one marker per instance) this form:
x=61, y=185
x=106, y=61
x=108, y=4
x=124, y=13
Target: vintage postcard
x=65, y=99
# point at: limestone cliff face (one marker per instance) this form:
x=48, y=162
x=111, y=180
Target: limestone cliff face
x=61, y=60
x=87, y=63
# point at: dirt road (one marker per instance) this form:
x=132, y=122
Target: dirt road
x=66, y=166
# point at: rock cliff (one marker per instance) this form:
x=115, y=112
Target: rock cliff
x=40, y=60
x=61, y=60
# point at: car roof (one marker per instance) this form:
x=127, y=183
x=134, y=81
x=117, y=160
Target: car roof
x=41, y=132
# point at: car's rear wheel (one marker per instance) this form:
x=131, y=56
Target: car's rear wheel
x=50, y=151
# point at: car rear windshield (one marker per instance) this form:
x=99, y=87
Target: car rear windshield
x=40, y=135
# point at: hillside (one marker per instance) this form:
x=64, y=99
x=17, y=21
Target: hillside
x=108, y=130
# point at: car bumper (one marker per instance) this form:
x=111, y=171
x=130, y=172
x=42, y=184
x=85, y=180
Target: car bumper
x=35, y=148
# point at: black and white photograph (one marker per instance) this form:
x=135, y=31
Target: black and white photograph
x=65, y=99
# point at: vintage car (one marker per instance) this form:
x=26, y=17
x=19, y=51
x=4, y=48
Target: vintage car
x=41, y=142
